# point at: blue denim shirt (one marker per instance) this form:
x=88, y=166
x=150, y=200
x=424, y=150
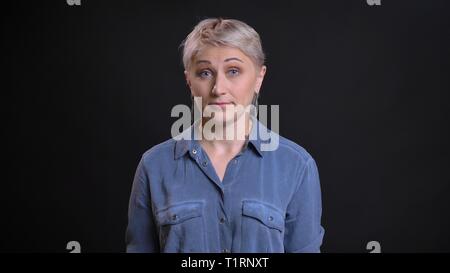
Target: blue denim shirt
x=268, y=201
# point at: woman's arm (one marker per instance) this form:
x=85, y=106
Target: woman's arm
x=141, y=235
x=303, y=230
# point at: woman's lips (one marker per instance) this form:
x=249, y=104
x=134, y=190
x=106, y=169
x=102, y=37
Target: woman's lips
x=222, y=105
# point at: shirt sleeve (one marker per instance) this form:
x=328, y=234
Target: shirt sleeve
x=303, y=230
x=141, y=233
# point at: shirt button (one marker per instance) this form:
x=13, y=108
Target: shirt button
x=174, y=217
x=194, y=151
x=222, y=220
x=270, y=218
x=225, y=250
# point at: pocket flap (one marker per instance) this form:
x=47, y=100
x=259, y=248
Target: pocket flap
x=265, y=213
x=179, y=212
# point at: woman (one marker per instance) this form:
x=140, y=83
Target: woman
x=220, y=191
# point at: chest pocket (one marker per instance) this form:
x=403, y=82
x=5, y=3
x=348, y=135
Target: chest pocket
x=179, y=213
x=264, y=213
x=262, y=227
x=181, y=227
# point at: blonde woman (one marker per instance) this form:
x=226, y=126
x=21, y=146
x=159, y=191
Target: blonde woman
x=221, y=191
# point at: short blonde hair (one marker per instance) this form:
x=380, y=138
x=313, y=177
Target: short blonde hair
x=223, y=32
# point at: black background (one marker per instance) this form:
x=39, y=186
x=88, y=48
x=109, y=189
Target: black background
x=87, y=89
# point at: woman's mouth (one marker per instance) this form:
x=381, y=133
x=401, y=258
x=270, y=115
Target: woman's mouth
x=221, y=104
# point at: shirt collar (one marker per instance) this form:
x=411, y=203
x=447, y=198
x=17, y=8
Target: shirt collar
x=185, y=142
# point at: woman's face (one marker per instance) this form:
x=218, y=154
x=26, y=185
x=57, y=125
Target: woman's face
x=224, y=76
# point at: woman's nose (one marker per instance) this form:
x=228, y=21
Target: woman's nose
x=219, y=87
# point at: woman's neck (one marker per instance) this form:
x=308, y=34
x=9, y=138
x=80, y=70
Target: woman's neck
x=221, y=143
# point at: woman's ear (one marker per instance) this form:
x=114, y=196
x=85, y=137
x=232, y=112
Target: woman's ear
x=260, y=78
x=186, y=76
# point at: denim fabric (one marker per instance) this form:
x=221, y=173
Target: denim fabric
x=268, y=201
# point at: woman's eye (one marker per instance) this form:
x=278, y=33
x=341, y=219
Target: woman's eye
x=233, y=72
x=204, y=74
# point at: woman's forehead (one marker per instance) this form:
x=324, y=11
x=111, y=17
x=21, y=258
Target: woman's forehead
x=220, y=54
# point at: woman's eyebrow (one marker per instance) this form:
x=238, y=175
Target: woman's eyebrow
x=234, y=59
x=203, y=61
x=226, y=60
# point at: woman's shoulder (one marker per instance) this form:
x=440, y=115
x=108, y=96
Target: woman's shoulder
x=284, y=147
x=288, y=147
x=160, y=151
